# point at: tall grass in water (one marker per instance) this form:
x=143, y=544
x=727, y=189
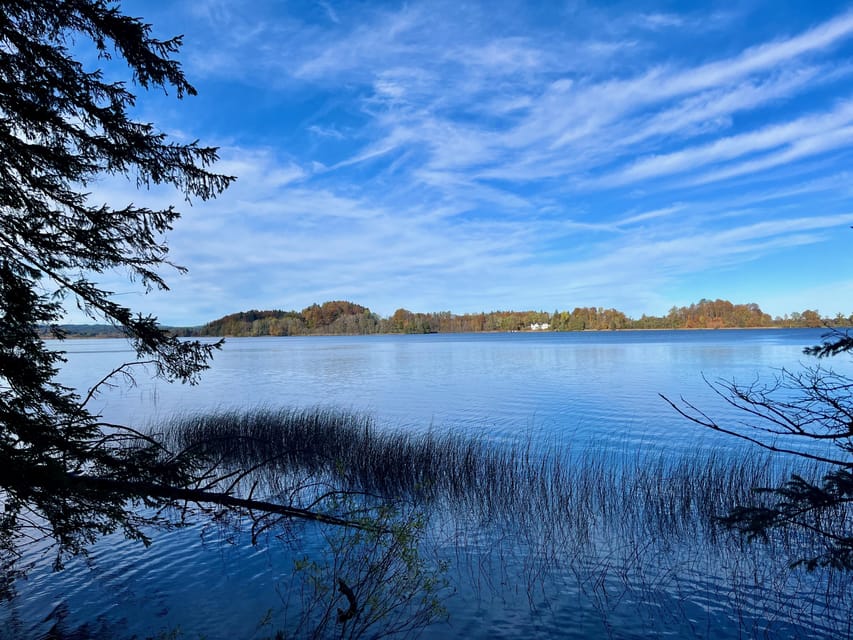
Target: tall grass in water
x=531, y=485
x=624, y=528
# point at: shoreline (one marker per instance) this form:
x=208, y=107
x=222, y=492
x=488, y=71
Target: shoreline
x=104, y=336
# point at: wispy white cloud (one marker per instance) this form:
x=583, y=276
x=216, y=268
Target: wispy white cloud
x=761, y=57
x=367, y=47
x=714, y=110
x=650, y=215
x=802, y=148
x=330, y=11
x=326, y=132
x=660, y=20
x=821, y=126
x=476, y=155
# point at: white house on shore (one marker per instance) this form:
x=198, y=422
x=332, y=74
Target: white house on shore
x=537, y=326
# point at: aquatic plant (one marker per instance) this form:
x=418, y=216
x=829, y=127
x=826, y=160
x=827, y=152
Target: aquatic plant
x=473, y=478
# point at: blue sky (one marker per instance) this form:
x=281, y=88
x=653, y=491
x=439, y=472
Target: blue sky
x=499, y=155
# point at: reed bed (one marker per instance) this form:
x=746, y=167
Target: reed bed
x=527, y=483
x=631, y=531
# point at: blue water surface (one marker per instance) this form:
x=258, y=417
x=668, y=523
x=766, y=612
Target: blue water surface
x=585, y=390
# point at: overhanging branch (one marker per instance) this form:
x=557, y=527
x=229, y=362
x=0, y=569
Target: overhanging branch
x=200, y=497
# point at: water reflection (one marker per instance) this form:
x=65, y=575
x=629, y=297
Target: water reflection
x=512, y=577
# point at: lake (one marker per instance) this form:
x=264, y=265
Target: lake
x=591, y=391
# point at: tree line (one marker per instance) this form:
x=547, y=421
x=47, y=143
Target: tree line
x=341, y=317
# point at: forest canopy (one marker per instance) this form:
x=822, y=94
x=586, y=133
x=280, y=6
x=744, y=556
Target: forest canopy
x=347, y=318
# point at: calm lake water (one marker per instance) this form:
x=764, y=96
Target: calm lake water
x=597, y=390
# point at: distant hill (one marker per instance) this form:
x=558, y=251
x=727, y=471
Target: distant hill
x=340, y=317
x=334, y=317
x=86, y=331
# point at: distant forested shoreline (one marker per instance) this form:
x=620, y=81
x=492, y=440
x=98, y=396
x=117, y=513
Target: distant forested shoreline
x=340, y=317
